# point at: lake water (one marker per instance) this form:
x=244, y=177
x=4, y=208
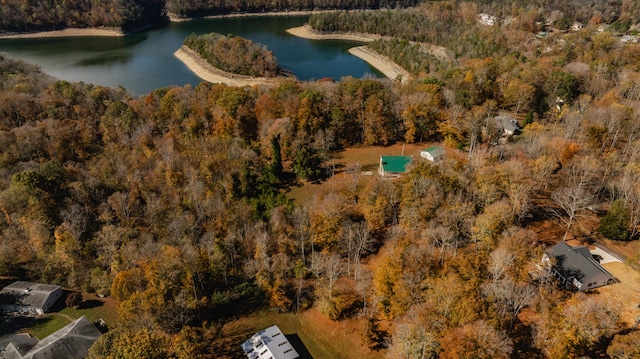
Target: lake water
x=145, y=61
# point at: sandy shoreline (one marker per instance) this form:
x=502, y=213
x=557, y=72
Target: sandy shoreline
x=389, y=68
x=174, y=18
x=205, y=71
x=307, y=32
x=74, y=32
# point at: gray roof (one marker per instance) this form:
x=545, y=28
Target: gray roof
x=29, y=294
x=507, y=123
x=18, y=343
x=71, y=342
x=576, y=261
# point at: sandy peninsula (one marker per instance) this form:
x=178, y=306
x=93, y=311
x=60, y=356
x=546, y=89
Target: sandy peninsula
x=389, y=68
x=307, y=32
x=205, y=71
x=72, y=32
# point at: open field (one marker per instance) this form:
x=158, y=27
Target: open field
x=367, y=157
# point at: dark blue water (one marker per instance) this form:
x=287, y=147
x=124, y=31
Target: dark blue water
x=145, y=61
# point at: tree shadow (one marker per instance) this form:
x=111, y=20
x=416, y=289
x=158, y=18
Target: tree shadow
x=89, y=304
x=299, y=346
x=13, y=323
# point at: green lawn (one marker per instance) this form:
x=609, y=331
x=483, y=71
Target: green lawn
x=322, y=337
x=93, y=308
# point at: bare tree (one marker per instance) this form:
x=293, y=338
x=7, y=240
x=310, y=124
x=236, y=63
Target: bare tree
x=509, y=297
x=499, y=262
x=575, y=195
x=327, y=268
x=443, y=238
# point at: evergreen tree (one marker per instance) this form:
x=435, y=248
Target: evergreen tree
x=614, y=224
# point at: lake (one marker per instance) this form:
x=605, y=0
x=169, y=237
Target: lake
x=144, y=61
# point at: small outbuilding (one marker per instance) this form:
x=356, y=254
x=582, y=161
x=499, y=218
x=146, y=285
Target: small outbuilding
x=576, y=268
x=433, y=153
x=71, y=342
x=393, y=165
x=269, y=344
x=31, y=297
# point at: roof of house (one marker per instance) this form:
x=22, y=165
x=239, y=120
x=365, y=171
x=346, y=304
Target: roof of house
x=573, y=261
x=435, y=151
x=507, y=123
x=274, y=340
x=29, y=294
x=396, y=164
x=71, y=342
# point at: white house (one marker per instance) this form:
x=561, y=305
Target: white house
x=433, y=153
x=575, y=267
x=269, y=344
x=30, y=297
x=486, y=19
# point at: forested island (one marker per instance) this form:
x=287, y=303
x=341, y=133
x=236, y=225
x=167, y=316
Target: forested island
x=234, y=54
x=204, y=214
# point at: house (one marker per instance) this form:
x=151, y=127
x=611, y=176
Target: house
x=576, y=26
x=433, y=153
x=576, y=267
x=31, y=297
x=393, y=165
x=269, y=343
x=71, y=342
x=628, y=38
x=486, y=19
x=508, y=125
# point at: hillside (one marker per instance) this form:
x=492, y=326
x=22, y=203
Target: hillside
x=206, y=211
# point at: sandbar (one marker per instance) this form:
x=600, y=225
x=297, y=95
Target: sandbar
x=207, y=72
x=71, y=32
x=389, y=68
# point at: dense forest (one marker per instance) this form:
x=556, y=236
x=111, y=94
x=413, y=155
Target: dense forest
x=129, y=15
x=134, y=15
x=174, y=203
x=234, y=54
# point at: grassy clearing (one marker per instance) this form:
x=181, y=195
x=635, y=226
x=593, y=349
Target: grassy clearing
x=92, y=307
x=48, y=324
x=367, y=157
x=323, y=338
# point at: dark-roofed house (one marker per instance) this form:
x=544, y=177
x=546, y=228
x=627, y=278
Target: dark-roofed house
x=575, y=267
x=30, y=297
x=71, y=342
x=433, y=153
x=508, y=125
x=269, y=344
x=393, y=165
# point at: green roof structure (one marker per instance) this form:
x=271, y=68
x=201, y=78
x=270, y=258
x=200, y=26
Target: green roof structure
x=393, y=165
